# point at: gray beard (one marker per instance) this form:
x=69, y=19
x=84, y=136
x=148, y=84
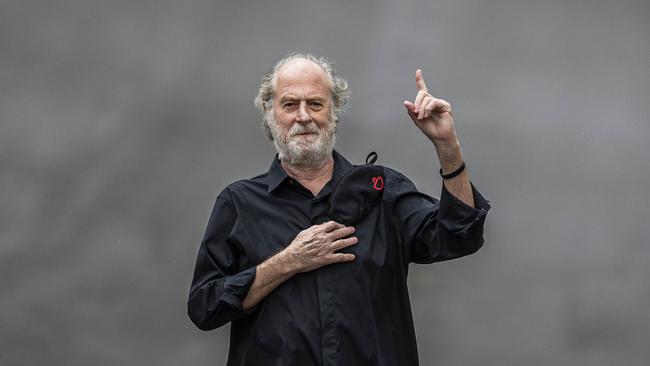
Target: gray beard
x=295, y=152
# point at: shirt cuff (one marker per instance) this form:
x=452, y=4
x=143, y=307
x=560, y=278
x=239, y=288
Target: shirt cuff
x=236, y=288
x=457, y=216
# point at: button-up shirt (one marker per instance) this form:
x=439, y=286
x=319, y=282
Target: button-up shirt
x=351, y=313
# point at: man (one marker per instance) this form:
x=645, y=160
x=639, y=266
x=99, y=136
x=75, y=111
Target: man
x=300, y=288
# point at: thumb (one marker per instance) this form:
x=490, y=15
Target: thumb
x=410, y=108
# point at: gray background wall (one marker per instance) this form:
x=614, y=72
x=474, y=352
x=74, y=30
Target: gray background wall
x=121, y=121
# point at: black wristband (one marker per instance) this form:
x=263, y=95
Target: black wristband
x=454, y=173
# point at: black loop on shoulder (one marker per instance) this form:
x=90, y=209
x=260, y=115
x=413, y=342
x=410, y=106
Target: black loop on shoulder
x=371, y=158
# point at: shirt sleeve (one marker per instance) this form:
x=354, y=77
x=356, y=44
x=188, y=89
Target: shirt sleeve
x=218, y=286
x=434, y=230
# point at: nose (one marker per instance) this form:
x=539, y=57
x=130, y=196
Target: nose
x=303, y=114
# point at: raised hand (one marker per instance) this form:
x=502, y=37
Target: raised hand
x=432, y=115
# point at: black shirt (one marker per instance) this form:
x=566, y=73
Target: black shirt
x=352, y=313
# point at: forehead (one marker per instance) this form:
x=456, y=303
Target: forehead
x=302, y=78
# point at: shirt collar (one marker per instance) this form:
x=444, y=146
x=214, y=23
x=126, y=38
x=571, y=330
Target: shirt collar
x=277, y=175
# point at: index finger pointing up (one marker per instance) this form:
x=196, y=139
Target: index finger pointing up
x=419, y=81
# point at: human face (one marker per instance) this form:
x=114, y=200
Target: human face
x=301, y=120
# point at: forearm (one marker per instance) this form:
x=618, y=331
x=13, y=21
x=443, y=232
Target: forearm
x=269, y=275
x=451, y=158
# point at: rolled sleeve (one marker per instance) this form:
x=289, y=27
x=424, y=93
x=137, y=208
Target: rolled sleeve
x=432, y=230
x=236, y=288
x=458, y=217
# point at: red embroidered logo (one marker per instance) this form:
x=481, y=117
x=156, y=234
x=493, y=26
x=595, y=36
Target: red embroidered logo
x=378, y=183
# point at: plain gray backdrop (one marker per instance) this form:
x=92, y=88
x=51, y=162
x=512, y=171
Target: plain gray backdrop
x=122, y=120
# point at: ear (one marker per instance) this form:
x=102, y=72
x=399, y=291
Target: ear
x=267, y=129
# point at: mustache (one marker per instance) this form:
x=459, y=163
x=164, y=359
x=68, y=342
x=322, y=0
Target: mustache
x=297, y=129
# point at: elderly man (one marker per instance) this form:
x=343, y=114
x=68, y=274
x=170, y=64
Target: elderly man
x=301, y=288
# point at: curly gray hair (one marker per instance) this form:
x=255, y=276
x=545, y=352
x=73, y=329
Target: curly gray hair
x=338, y=86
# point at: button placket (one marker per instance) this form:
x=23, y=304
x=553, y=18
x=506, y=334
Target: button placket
x=327, y=305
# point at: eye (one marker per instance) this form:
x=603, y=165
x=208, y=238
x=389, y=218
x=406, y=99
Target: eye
x=316, y=105
x=288, y=105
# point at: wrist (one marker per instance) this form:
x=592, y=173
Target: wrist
x=286, y=263
x=453, y=174
x=449, y=155
x=446, y=147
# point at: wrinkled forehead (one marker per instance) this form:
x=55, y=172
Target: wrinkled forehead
x=303, y=74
